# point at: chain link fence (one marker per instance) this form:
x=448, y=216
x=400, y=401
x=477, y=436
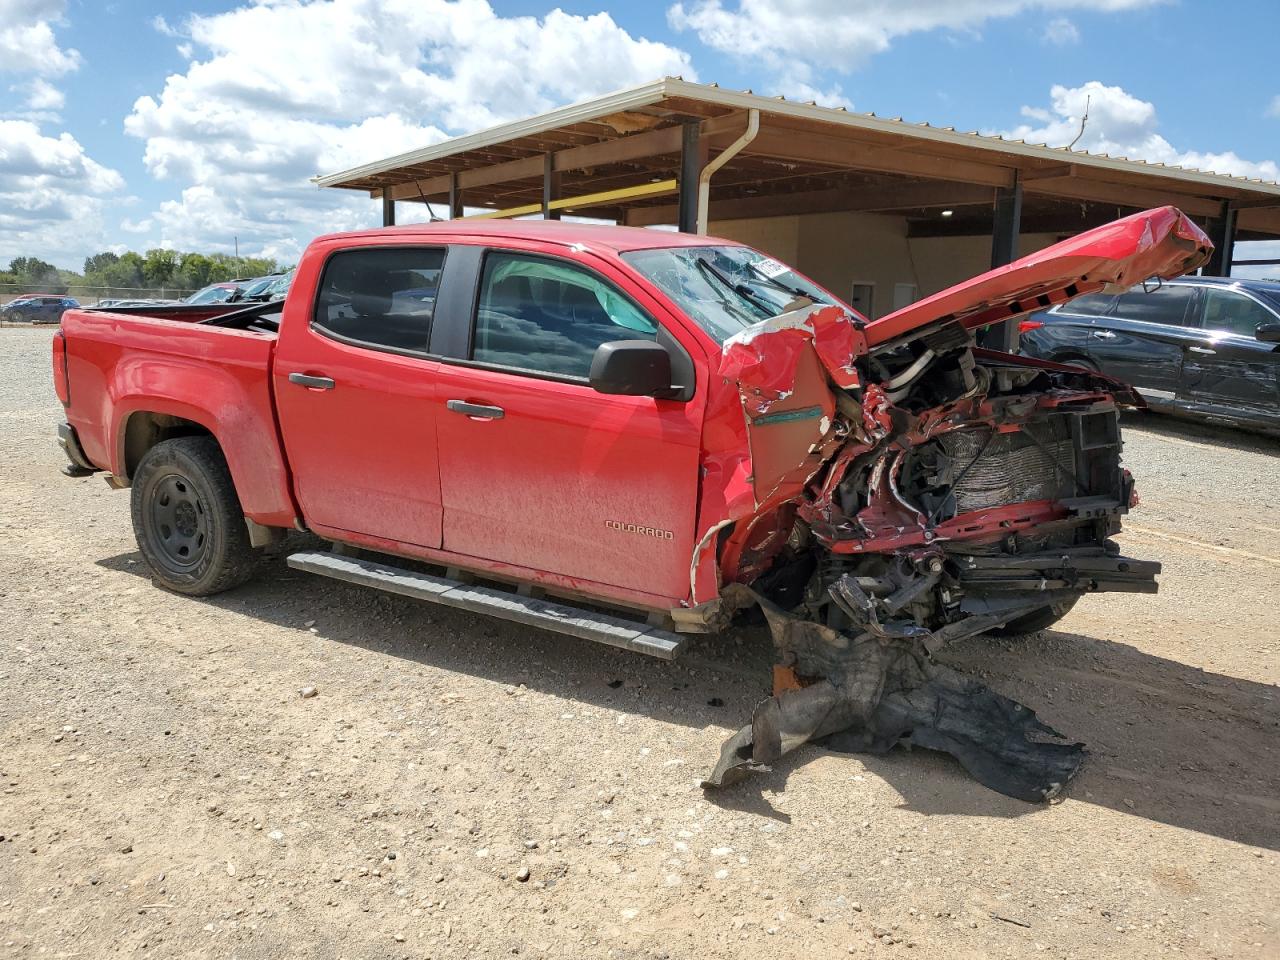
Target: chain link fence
x=89, y=296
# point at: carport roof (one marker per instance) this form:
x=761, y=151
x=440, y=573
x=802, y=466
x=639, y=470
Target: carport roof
x=805, y=158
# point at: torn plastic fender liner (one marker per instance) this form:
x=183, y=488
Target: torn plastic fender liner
x=878, y=691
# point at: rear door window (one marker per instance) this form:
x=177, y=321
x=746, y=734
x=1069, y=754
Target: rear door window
x=1090, y=305
x=1229, y=312
x=1166, y=305
x=549, y=316
x=380, y=297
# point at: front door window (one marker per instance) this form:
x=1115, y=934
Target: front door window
x=1226, y=311
x=547, y=316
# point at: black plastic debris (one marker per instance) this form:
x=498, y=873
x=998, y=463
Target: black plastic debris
x=880, y=689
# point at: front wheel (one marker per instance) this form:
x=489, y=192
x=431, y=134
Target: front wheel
x=1036, y=620
x=188, y=520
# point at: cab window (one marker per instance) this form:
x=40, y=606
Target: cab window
x=380, y=297
x=548, y=316
x=1229, y=312
x=1167, y=305
x=1090, y=305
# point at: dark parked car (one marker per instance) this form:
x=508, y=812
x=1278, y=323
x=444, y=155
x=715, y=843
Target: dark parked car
x=217, y=292
x=37, y=308
x=1202, y=346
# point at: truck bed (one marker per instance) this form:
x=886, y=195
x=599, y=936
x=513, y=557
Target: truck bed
x=171, y=371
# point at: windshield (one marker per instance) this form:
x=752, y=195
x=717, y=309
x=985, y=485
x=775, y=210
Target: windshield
x=211, y=295
x=279, y=287
x=726, y=289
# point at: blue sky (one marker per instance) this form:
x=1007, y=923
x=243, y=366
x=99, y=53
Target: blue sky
x=188, y=124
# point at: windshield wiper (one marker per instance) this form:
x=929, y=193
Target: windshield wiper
x=763, y=277
x=741, y=289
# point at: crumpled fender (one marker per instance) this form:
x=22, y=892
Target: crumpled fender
x=775, y=405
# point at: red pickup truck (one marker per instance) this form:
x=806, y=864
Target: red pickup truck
x=667, y=425
x=629, y=417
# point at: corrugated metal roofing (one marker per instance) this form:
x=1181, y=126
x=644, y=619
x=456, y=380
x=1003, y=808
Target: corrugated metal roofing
x=676, y=88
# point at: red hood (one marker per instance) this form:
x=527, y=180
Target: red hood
x=1155, y=243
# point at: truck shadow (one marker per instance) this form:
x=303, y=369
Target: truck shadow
x=1168, y=742
x=1200, y=432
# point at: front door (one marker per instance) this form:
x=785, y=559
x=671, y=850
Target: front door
x=1227, y=365
x=540, y=470
x=355, y=392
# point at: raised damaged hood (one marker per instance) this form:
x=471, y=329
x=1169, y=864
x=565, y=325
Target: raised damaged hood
x=1155, y=243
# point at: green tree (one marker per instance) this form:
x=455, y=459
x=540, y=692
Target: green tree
x=158, y=267
x=125, y=272
x=195, y=270
x=34, y=272
x=99, y=262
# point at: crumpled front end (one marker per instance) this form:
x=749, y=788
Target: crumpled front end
x=896, y=494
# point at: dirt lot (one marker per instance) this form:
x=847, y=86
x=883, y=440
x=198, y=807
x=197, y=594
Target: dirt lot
x=167, y=792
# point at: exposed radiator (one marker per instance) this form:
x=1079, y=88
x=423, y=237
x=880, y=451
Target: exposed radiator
x=1011, y=467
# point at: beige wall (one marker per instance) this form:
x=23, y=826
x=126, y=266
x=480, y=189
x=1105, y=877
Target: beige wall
x=777, y=236
x=840, y=249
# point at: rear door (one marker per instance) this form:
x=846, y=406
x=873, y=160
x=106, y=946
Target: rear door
x=540, y=470
x=355, y=391
x=1144, y=336
x=1227, y=365
x=1064, y=333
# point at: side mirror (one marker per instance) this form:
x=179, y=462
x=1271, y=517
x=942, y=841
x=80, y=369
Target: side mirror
x=1268, y=332
x=633, y=368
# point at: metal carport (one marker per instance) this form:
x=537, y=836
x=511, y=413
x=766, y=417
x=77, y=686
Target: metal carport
x=800, y=180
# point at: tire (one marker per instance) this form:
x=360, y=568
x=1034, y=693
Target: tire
x=1080, y=362
x=188, y=520
x=17, y=317
x=1036, y=620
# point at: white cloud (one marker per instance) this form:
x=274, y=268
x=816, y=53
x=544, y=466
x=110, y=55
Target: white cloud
x=51, y=191
x=1122, y=125
x=50, y=194
x=160, y=25
x=1060, y=32
x=1273, y=110
x=27, y=41
x=251, y=119
x=794, y=37
x=42, y=95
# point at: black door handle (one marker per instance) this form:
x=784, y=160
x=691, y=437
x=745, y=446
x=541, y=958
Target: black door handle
x=478, y=410
x=315, y=383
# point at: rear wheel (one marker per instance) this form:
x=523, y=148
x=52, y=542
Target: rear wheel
x=1080, y=362
x=1036, y=620
x=188, y=520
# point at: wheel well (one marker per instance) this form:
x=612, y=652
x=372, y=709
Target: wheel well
x=1072, y=356
x=144, y=430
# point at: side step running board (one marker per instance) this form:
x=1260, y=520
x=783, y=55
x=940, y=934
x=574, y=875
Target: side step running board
x=535, y=612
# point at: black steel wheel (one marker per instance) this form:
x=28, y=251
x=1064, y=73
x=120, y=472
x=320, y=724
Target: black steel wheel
x=188, y=520
x=180, y=519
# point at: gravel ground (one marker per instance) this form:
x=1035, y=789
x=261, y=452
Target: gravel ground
x=466, y=787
